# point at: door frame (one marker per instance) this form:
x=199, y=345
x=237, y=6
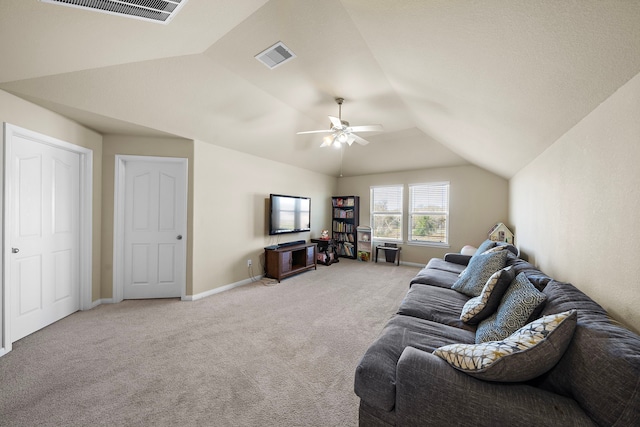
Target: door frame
x=119, y=216
x=85, y=229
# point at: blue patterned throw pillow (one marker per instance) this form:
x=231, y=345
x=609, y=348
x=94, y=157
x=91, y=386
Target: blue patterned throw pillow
x=528, y=353
x=484, y=246
x=479, y=270
x=518, y=305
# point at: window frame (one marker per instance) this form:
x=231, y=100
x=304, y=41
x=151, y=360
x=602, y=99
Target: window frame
x=373, y=213
x=411, y=213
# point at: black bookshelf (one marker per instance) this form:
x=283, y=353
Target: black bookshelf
x=345, y=220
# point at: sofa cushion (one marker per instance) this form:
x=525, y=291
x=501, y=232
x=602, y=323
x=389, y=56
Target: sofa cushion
x=441, y=264
x=601, y=367
x=457, y=258
x=435, y=304
x=435, y=277
x=520, y=304
x=480, y=307
x=535, y=276
x=480, y=268
x=375, y=379
x=527, y=353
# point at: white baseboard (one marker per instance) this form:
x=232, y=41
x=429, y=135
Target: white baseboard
x=101, y=301
x=219, y=289
x=201, y=295
x=412, y=264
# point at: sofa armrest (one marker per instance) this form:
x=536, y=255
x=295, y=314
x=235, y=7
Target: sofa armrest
x=429, y=392
x=457, y=258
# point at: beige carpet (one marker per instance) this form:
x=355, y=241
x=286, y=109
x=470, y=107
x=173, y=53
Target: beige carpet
x=281, y=355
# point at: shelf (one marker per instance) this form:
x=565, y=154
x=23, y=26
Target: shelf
x=363, y=234
x=344, y=225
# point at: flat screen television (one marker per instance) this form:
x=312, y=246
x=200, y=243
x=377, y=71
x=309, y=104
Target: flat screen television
x=289, y=214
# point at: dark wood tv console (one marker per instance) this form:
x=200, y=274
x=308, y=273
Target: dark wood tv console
x=289, y=260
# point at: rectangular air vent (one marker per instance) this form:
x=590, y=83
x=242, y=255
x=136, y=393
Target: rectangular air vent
x=160, y=11
x=276, y=55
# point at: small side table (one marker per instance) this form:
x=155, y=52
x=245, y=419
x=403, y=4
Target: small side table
x=395, y=250
x=327, y=253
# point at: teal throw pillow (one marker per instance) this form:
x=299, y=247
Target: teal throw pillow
x=484, y=246
x=518, y=306
x=480, y=268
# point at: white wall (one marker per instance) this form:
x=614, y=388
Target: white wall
x=478, y=199
x=231, y=200
x=575, y=208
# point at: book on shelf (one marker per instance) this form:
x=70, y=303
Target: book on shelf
x=339, y=201
x=344, y=237
x=349, y=249
x=342, y=213
x=342, y=227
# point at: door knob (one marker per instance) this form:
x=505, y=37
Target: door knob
x=15, y=250
x=179, y=237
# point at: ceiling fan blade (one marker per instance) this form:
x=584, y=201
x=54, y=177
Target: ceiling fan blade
x=360, y=140
x=335, y=121
x=351, y=139
x=367, y=128
x=314, y=131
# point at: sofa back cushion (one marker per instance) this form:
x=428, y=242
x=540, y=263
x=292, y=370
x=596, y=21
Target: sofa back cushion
x=601, y=367
x=535, y=276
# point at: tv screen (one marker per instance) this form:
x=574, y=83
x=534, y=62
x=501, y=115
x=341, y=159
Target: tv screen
x=289, y=214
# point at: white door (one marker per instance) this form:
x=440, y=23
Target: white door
x=43, y=222
x=154, y=229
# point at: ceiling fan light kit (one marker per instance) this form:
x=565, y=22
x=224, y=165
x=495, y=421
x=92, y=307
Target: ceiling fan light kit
x=341, y=132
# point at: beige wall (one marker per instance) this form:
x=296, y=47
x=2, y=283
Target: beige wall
x=574, y=208
x=478, y=199
x=131, y=145
x=231, y=192
x=19, y=112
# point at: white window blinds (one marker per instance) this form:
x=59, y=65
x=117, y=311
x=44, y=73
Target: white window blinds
x=386, y=212
x=429, y=213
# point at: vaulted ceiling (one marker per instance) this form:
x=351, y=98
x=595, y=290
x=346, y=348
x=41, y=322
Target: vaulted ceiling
x=454, y=82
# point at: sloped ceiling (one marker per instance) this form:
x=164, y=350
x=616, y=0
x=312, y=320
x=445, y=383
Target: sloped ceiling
x=491, y=83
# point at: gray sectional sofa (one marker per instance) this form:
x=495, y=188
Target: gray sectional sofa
x=589, y=376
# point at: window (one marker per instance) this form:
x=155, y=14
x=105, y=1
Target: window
x=429, y=213
x=386, y=212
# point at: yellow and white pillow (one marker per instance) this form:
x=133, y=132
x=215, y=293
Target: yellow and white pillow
x=528, y=353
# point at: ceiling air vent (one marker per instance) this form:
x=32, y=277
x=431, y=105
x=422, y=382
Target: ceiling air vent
x=276, y=55
x=160, y=11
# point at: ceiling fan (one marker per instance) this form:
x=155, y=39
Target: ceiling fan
x=341, y=132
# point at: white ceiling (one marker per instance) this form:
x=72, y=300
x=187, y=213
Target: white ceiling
x=491, y=83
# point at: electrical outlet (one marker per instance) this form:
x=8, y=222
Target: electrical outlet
x=248, y=263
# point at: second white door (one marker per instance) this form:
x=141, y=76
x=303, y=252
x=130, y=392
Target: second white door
x=154, y=229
